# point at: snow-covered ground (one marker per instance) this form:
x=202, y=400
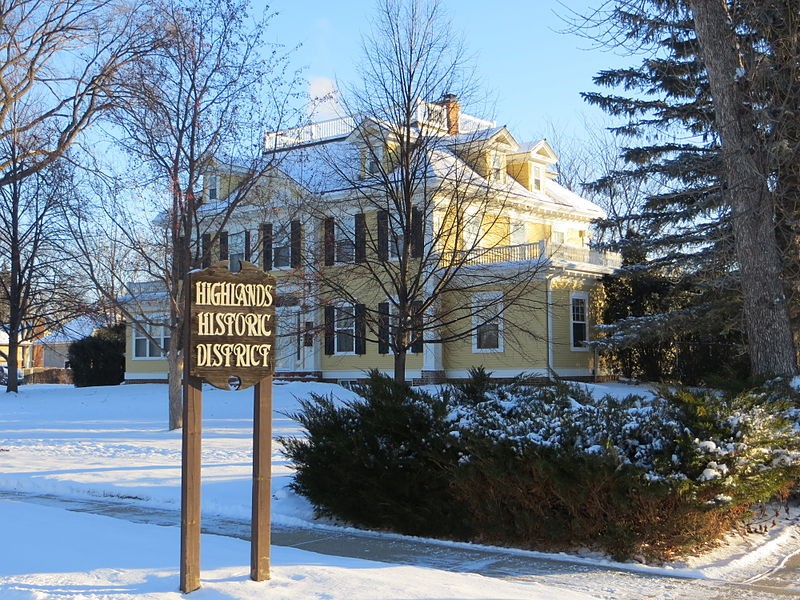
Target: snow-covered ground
x=112, y=444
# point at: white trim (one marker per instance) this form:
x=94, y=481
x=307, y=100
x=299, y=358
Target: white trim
x=336, y=307
x=165, y=333
x=364, y=373
x=585, y=297
x=158, y=375
x=344, y=231
x=508, y=373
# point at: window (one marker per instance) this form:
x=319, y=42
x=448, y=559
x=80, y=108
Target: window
x=281, y=249
x=519, y=232
x=344, y=328
x=388, y=325
x=497, y=170
x=345, y=236
x=373, y=156
x=395, y=242
x=144, y=347
x=557, y=237
x=288, y=339
x=537, y=178
x=579, y=329
x=373, y=166
x=487, y=322
x=213, y=187
x=236, y=250
x=472, y=229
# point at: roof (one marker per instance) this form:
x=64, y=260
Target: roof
x=324, y=158
x=74, y=330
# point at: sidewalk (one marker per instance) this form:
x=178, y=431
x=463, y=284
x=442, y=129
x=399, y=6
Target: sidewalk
x=566, y=573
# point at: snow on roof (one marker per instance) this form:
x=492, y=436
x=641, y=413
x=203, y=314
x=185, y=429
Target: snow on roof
x=480, y=135
x=325, y=160
x=565, y=197
x=74, y=330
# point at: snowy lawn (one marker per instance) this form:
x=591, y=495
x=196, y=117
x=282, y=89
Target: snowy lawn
x=112, y=443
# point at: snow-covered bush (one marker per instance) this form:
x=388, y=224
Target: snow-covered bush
x=547, y=466
x=553, y=466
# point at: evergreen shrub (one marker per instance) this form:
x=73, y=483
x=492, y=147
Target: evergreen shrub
x=548, y=466
x=98, y=359
x=382, y=461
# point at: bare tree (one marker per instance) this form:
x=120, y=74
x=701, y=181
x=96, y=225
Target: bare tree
x=430, y=191
x=36, y=283
x=57, y=71
x=200, y=101
x=60, y=58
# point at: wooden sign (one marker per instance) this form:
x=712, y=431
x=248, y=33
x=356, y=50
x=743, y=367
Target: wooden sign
x=229, y=339
x=232, y=325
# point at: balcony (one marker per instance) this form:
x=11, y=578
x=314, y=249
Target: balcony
x=542, y=250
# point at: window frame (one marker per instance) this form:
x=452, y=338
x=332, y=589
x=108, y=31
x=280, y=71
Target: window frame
x=344, y=233
x=213, y=187
x=352, y=330
x=584, y=297
x=163, y=338
x=237, y=249
x=481, y=303
x=537, y=178
x=278, y=237
x=294, y=337
x=391, y=324
x=497, y=166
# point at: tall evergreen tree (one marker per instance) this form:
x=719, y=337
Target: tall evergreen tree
x=703, y=228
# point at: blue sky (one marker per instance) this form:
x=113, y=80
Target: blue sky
x=534, y=70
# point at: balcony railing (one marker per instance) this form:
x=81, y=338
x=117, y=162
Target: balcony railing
x=541, y=250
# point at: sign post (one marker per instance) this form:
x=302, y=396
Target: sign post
x=262, y=473
x=228, y=338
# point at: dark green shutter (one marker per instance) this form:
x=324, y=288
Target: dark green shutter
x=416, y=326
x=329, y=241
x=295, y=247
x=417, y=232
x=383, y=235
x=383, y=328
x=266, y=246
x=329, y=332
x=223, y=245
x=361, y=329
x=361, y=238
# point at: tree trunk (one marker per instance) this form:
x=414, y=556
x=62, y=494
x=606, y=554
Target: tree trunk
x=175, y=389
x=400, y=366
x=770, y=343
x=11, y=362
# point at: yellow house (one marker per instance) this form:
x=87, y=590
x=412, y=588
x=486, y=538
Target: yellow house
x=500, y=253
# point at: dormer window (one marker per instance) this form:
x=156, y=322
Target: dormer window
x=538, y=178
x=213, y=187
x=372, y=167
x=497, y=168
x=373, y=156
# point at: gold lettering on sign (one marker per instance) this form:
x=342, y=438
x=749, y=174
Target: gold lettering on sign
x=238, y=324
x=227, y=293
x=233, y=355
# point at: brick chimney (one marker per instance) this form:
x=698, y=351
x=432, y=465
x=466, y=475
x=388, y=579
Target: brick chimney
x=453, y=111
